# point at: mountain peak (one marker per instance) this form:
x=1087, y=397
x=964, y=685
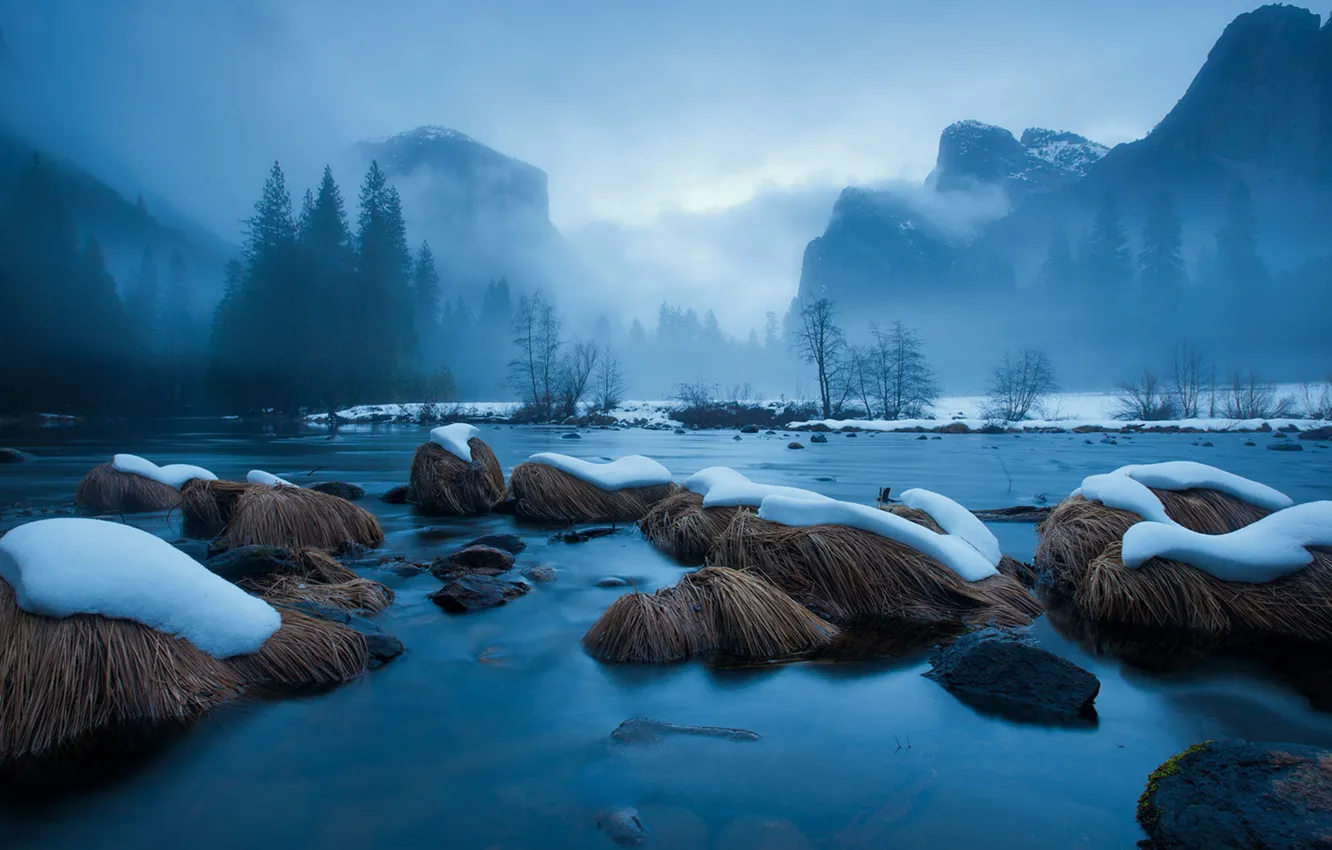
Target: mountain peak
x=974, y=153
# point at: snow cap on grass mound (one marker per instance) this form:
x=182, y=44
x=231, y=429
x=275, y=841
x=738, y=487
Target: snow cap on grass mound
x=627, y=472
x=61, y=567
x=953, y=552
x=1117, y=490
x=258, y=476
x=454, y=439
x=1188, y=475
x=172, y=475
x=723, y=487
x=956, y=520
x=1272, y=547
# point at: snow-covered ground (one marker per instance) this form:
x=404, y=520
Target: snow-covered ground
x=1062, y=410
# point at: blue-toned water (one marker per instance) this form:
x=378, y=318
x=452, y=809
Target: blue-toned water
x=491, y=731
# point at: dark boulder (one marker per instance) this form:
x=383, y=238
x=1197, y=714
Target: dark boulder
x=1323, y=433
x=244, y=562
x=1236, y=794
x=473, y=560
x=794, y=445
x=476, y=593
x=923, y=437
x=1004, y=672
x=1280, y=435
x=818, y=438
x=12, y=456
x=750, y=429
x=341, y=489
x=1284, y=446
x=572, y=435
x=852, y=434
x=510, y=543
x=400, y=495
x=383, y=647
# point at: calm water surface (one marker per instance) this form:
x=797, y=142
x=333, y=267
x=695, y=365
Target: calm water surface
x=491, y=731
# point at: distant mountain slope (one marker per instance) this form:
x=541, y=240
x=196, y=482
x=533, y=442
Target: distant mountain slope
x=973, y=153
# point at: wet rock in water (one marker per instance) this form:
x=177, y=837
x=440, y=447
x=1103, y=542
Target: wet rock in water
x=852, y=434
x=736, y=438
x=196, y=549
x=1323, y=433
x=399, y=566
x=476, y=593
x=572, y=435
x=936, y=438
x=540, y=573
x=749, y=429
x=244, y=562
x=584, y=535
x=1087, y=442
x=511, y=543
x=795, y=445
x=12, y=456
x=473, y=560
x=1250, y=443
x=923, y=437
x=1280, y=435
x=646, y=730
x=623, y=827
x=1017, y=513
x=341, y=489
x=611, y=581
x=769, y=433
x=399, y=495
x=679, y=430
x=383, y=646
x=1286, y=446
x=1264, y=428
x=1006, y=673
x=1207, y=444
x=1237, y=794
x=319, y=610
x=818, y=438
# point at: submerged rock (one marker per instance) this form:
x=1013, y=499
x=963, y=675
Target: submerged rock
x=1005, y=672
x=473, y=560
x=540, y=573
x=1236, y=794
x=852, y=434
x=511, y=543
x=572, y=435
x=477, y=593
x=383, y=646
x=623, y=826
x=646, y=730
x=818, y=438
x=341, y=489
x=794, y=445
x=1285, y=446
x=611, y=581
x=400, y=495
x=584, y=535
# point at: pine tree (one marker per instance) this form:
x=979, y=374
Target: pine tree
x=1059, y=270
x=425, y=293
x=1107, y=259
x=383, y=268
x=1161, y=265
x=1236, y=241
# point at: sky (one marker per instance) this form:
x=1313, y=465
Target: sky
x=693, y=148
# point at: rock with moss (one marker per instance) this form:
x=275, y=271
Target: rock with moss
x=1237, y=794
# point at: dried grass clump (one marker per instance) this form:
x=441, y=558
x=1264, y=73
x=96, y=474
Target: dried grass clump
x=715, y=610
x=444, y=484
x=296, y=518
x=207, y=506
x=65, y=681
x=358, y=594
x=106, y=489
x=304, y=653
x=546, y=494
x=1164, y=594
x=1011, y=567
x=1077, y=531
x=849, y=575
x=681, y=527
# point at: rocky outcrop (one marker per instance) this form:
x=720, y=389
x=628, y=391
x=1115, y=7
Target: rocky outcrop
x=973, y=154
x=1228, y=795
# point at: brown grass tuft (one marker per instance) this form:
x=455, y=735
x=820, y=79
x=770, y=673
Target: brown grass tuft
x=712, y=610
x=847, y=575
x=106, y=489
x=207, y=506
x=681, y=527
x=304, y=653
x=546, y=494
x=296, y=518
x=444, y=484
x=358, y=594
x=63, y=681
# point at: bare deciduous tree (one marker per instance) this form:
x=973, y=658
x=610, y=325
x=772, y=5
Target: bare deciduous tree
x=536, y=335
x=1250, y=397
x=1186, y=387
x=575, y=373
x=820, y=341
x=608, y=384
x=1317, y=399
x=1145, y=397
x=903, y=382
x=1018, y=385
x=699, y=392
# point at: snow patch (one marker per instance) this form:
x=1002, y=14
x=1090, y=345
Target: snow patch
x=258, y=476
x=1272, y=547
x=454, y=439
x=1188, y=475
x=66, y=566
x=1117, y=490
x=622, y=474
x=723, y=487
x=173, y=475
x=956, y=520
x=953, y=552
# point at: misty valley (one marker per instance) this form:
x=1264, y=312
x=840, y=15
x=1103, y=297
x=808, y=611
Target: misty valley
x=760, y=475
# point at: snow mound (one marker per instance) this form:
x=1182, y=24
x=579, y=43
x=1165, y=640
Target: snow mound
x=723, y=487
x=258, y=476
x=956, y=520
x=66, y=566
x=454, y=439
x=953, y=552
x=1272, y=547
x=1117, y=490
x=173, y=475
x=629, y=471
x=1187, y=475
